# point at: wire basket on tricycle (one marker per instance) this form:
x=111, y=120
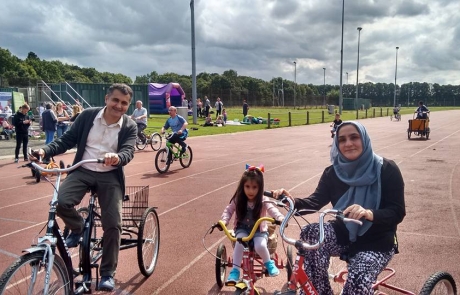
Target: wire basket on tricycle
x=140, y=226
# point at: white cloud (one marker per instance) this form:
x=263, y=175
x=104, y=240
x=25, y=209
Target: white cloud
x=259, y=38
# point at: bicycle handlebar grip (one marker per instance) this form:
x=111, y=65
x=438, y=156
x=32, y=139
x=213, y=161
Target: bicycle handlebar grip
x=101, y=160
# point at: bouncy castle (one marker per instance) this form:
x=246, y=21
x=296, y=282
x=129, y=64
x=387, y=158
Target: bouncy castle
x=162, y=96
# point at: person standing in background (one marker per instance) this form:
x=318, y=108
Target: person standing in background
x=62, y=117
x=21, y=123
x=219, y=105
x=41, y=109
x=49, y=121
x=207, y=106
x=245, y=108
x=76, y=110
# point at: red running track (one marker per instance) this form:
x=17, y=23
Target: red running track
x=190, y=200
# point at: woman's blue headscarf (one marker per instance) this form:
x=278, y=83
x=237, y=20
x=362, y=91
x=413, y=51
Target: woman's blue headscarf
x=362, y=175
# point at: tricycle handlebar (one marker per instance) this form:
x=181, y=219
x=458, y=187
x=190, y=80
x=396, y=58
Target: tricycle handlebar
x=68, y=169
x=299, y=244
x=251, y=234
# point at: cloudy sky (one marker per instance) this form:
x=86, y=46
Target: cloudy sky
x=258, y=38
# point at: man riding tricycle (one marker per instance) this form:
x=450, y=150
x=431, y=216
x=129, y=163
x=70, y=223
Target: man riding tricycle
x=420, y=124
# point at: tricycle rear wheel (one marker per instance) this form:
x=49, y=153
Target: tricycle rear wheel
x=148, y=244
x=221, y=265
x=439, y=283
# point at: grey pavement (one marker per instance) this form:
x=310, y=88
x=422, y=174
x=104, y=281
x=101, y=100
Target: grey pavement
x=7, y=147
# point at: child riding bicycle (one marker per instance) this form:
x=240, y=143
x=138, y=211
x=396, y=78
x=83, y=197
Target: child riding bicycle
x=249, y=206
x=337, y=121
x=179, y=126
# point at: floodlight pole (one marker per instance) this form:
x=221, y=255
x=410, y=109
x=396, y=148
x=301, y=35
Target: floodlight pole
x=194, y=94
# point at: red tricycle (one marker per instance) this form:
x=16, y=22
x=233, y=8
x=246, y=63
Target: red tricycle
x=438, y=283
x=252, y=265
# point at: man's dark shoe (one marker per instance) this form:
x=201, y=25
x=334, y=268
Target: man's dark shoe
x=73, y=239
x=107, y=283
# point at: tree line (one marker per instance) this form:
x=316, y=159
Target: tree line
x=229, y=86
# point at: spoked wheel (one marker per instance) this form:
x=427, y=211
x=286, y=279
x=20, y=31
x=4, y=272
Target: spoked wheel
x=439, y=283
x=140, y=144
x=221, y=265
x=155, y=141
x=148, y=243
x=186, y=158
x=289, y=262
x=17, y=279
x=408, y=134
x=427, y=133
x=163, y=160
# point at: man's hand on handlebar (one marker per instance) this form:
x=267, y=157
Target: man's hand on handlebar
x=111, y=159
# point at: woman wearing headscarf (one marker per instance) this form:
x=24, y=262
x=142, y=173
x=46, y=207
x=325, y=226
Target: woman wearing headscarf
x=366, y=187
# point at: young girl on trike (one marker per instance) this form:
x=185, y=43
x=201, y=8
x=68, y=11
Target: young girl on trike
x=248, y=203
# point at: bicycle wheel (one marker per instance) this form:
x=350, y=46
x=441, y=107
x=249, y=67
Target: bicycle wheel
x=141, y=144
x=221, y=265
x=289, y=263
x=155, y=141
x=439, y=283
x=27, y=276
x=186, y=158
x=148, y=243
x=163, y=160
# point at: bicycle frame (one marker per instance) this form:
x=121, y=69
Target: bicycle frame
x=54, y=238
x=247, y=265
x=300, y=278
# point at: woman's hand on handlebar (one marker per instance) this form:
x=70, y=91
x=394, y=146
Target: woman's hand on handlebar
x=277, y=194
x=357, y=212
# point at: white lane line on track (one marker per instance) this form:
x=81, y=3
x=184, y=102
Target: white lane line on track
x=25, y=202
x=10, y=188
x=435, y=143
x=217, y=189
x=428, y=235
x=184, y=269
x=9, y=254
x=17, y=220
x=23, y=229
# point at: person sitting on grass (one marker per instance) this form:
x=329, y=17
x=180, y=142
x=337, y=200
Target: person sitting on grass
x=219, y=120
x=208, y=122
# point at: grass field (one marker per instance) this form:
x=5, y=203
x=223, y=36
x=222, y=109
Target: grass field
x=298, y=117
